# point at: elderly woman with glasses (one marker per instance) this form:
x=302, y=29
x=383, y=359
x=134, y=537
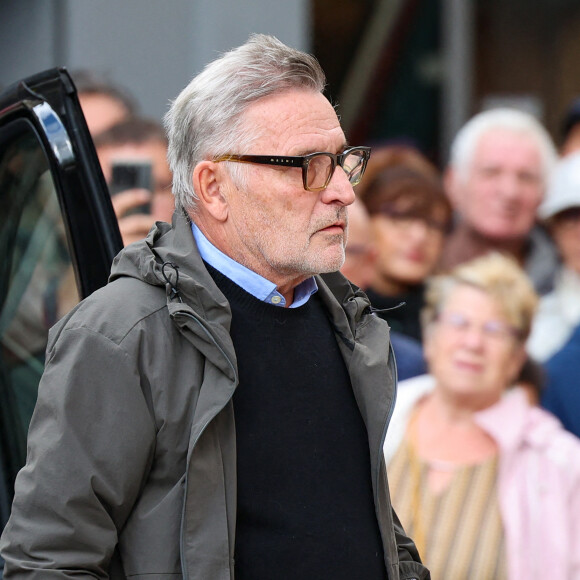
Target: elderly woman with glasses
x=487, y=484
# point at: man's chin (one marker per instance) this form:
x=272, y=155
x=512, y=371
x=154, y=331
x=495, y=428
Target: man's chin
x=504, y=233
x=330, y=263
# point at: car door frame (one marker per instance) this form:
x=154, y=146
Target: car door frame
x=48, y=102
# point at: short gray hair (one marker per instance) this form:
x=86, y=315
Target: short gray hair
x=206, y=119
x=506, y=119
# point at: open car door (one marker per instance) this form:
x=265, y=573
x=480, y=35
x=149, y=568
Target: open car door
x=58, y=237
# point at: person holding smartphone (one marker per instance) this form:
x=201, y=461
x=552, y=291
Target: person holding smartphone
x=133, y=156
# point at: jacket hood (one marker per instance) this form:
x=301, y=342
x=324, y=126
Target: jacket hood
x=166, y=258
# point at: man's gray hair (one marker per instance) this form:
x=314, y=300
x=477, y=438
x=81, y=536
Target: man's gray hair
x=505, y=119
x=206, y=119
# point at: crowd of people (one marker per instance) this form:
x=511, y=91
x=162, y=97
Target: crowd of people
x=480, y=263
x=470, y=272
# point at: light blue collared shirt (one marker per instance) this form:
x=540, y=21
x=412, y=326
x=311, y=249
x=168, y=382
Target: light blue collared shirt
x=247, y=279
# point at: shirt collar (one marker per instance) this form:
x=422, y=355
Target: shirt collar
x=250, y=281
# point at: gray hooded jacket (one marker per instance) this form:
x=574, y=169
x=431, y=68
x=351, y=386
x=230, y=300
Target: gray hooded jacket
x=131, y=468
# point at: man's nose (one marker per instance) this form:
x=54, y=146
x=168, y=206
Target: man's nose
x=509, y=185
x=339, y=189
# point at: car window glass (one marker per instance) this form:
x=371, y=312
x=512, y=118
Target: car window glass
x=37, y=284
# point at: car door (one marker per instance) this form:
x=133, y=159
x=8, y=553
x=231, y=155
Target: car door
x=58, y=237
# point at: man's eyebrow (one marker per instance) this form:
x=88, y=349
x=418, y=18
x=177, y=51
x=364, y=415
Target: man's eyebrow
x=309, y=151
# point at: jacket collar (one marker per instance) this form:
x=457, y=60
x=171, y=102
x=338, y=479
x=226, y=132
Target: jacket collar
x=336, y=289
x=168, y=258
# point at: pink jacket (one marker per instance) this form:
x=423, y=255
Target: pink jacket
x=539, y=481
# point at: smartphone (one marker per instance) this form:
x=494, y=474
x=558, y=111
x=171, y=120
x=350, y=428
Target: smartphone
x=132, y=174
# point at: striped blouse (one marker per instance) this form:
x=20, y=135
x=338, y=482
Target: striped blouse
x=458, y=530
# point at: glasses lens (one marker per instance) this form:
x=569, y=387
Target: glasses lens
x=318, y=171
x=354, y=166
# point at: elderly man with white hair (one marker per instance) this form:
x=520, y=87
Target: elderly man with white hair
x=499, y=165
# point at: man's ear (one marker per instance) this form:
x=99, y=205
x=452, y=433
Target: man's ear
x=451, y=185
x=208, y=184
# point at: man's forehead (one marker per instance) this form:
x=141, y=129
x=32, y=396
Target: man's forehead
x=498, y=137
x=500, y=148
x=300, y=120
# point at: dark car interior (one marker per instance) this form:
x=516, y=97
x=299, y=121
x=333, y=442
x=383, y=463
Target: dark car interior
x=58, y=237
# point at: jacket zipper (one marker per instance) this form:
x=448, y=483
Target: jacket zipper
x=393, y=367
x=389, y=416
x=202, y=430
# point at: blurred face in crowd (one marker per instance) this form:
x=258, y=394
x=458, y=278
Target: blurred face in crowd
x=499, y=195
x=270, y=223
x=565, y=229
x=409, y=246
x=101, y=111
x=361, y=254
x=162, y=202
x=471, y=349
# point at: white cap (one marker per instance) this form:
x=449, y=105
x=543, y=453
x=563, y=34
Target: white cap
x=563, y=188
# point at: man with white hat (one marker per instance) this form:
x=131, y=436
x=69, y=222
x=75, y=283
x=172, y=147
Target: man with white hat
x=559, y=311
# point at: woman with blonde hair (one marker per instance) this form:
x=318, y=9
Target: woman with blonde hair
x=486, y=483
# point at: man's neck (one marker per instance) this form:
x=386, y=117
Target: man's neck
x=465, y=243
x=293, y=292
